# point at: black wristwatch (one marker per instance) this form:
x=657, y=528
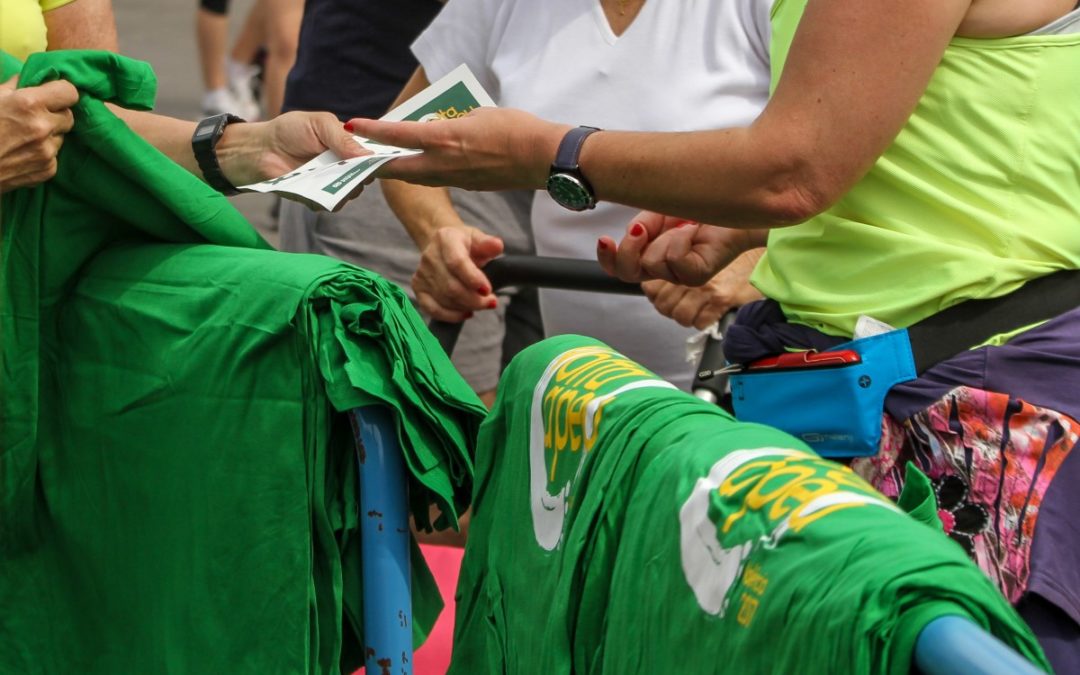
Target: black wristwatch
x=207, y=134
x=565, y=183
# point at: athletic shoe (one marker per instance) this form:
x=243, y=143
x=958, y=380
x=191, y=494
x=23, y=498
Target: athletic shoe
x=217, y=102
x=242, y=86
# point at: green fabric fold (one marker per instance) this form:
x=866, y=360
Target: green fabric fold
x=917, y=498
x=178, y=486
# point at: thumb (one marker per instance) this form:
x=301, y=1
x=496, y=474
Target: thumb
x=345, y=146
x=336, y=138
x=483, y=247
x=11, y=84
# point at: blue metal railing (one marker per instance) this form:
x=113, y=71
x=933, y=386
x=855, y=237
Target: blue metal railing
x=384, y=534
x=953, y=645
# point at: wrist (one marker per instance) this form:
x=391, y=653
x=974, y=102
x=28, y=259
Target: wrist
x=238, y=152
x=442, y=226
x=755, y=238
x=204, y=146
x=422, y=210
x=739, y=240
x=543, y=147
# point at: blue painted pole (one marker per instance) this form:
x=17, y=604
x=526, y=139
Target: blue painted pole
x=384, y=533
x=953, y=645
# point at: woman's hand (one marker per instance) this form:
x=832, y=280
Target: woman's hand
x=33, y=122
x=448, y=283
x=488, y=149
x=702, y=306
x=663, y=247
x=253, y=152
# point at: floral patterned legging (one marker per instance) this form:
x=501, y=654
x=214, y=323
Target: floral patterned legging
x=991, y=459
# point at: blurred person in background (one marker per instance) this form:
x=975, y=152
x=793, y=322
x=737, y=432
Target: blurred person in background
x=258, y=62
x=628, y=64
x=353, y=59
x=228, y=80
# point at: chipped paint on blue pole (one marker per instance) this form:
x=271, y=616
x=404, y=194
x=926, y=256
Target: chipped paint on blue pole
x=384, y=532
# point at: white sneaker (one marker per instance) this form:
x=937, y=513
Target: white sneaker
x=242, y=78
x=218, y=101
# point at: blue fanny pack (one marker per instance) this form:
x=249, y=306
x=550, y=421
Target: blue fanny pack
x=835, y=409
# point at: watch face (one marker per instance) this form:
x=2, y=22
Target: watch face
x=206, y=128
x=570, y=191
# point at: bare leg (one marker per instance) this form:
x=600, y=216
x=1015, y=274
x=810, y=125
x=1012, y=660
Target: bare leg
x=252, y=36
x=212, y=36
x=282, y=21
x=241, y=68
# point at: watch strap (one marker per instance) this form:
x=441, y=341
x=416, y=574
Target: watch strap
x=566, y=158
x=203, y=143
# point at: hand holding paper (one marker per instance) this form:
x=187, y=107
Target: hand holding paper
x=327, y=181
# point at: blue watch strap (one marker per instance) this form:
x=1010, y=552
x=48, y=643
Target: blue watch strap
x=566, y=159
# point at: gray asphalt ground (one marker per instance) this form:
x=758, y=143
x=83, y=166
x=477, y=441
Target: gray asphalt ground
x=162, y=32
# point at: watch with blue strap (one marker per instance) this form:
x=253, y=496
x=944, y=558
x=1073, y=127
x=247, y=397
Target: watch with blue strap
x=566, y=184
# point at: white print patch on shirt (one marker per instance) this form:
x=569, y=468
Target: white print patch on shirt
x=566, y=419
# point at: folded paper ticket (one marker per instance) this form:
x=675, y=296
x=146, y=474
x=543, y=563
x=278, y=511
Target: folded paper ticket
x=328, y=180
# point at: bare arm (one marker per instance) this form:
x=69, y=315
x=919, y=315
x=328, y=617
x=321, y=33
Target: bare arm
x=83, y=24
x=248, y=152
x=855, y=71
x=449, y=284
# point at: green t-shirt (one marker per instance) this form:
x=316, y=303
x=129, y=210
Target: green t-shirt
x=573, y=424
x=178, y=491
x=750, y=554
x=598, y=544
x=978, y=193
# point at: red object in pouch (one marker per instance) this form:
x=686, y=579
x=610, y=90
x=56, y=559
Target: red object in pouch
x=802, y=360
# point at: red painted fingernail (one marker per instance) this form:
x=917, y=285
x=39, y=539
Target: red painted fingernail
x=602, y=244
x=637, y=230
x=493, y=304
x=348, y=126
x=483, y=290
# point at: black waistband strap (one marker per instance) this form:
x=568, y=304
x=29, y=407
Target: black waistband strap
x=973, y=322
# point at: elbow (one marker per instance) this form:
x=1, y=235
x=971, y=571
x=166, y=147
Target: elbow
x=799, y=193
x=795, y=204
x=798, y=175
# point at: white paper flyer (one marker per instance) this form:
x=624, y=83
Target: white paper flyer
x=328, y=180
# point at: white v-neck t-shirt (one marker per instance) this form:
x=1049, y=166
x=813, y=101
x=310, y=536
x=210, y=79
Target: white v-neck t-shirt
x=681, y=65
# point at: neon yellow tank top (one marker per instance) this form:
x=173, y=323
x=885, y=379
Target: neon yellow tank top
x=22, y=25
x=979, y=192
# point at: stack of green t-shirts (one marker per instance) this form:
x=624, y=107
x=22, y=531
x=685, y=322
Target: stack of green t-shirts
x=681, y=540
x=178, y=492
x=574, y=424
